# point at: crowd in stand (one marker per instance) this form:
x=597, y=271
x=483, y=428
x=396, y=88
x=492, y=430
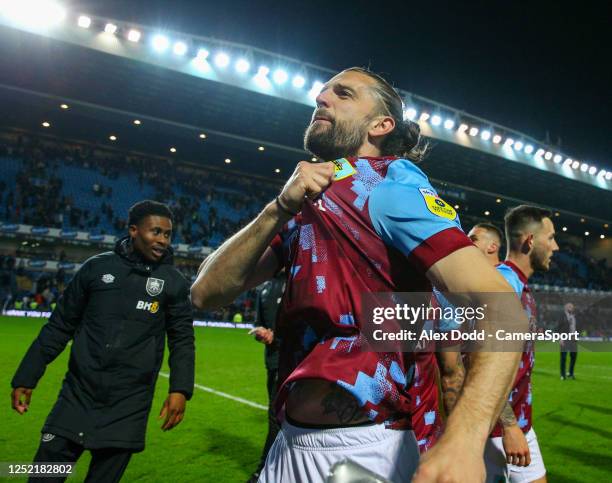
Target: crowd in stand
x=37, y=197
x=24, y=289
x=572, y=268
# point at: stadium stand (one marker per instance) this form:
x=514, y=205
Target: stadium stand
x=71, y=189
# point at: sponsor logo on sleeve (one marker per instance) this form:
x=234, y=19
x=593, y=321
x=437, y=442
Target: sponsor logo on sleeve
x=437, y=205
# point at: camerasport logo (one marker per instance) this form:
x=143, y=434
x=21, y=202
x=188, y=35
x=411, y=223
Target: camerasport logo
x=152, y=307
x=46, y=437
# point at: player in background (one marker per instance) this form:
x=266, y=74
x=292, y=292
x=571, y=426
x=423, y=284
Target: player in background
x=489, y=239
x=530, y=236
x=508, y=450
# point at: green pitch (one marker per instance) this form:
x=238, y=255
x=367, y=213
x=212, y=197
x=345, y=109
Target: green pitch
x=220, y=439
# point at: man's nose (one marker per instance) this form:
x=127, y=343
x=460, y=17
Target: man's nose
x=323, y=99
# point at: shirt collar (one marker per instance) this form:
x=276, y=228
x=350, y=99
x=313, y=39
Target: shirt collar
x=519, y=272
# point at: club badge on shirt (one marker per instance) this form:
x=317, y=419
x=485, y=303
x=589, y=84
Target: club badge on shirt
x=437, y=205
x=342, y=169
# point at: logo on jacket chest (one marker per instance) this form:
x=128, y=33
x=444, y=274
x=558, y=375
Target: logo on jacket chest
x=108, y=278
x=154, y=286
x=152, y=307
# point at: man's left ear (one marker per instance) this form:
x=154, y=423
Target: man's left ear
x=529, y=241
x=493, y=247
x=381, y=126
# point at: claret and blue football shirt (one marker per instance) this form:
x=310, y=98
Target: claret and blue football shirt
x=378, y=228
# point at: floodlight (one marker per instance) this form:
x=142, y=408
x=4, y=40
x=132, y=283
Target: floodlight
x=180, y=48
x=280, y=76
x=222, y=60
x=134, y=35
x=242, y=66
x=411, y=113
x=298, y=82
x=110, y=28
x=84, y=21
x=160, y=42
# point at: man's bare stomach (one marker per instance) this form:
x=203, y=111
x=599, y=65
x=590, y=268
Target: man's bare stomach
x=319, y=402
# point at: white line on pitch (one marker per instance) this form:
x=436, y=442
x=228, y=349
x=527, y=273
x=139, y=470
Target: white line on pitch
x=224, y=394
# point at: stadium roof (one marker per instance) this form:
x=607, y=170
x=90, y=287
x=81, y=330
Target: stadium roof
x=106, y=92
x=282, y=77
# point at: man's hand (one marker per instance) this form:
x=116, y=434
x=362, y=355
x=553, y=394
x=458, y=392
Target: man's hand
x=263, y=335
x=173, y=410
x=308, y=180
x=515, y=446
x=20, y=399
x=444, y=463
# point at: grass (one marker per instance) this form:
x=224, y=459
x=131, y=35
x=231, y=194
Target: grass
x=220, y=440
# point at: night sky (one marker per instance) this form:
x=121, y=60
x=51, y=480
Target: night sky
x=537, y=67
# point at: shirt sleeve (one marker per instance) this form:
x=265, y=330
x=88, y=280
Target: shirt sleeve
x=511, y=277
x=181, y=339
x=408, y=214
x=56, y=333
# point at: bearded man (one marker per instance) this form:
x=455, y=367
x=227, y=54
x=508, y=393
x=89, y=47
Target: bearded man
x=365, y=219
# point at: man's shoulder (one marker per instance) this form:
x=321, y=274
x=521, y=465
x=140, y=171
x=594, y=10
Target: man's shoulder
x=403, y=178
x=406, y=172
x=104, y=256
x=101, y=259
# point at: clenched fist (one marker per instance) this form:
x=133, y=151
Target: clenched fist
x=516, y=446
x=308, y=180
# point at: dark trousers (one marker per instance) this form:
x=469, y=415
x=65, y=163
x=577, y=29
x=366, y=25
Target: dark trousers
x=573, y=356
x=107, y=464
x=273, y=427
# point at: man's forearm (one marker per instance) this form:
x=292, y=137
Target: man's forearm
x=222, y=276
x=507, y=417
x=453, y=376
x=485, y=391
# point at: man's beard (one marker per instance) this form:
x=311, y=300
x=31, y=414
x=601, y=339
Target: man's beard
x=538, y=260
x=337, y=140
